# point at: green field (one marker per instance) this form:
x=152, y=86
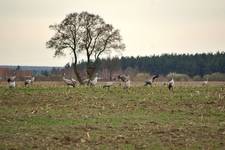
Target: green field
x=57, y=117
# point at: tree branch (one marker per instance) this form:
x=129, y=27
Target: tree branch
x=105, y=45
x=95, y=40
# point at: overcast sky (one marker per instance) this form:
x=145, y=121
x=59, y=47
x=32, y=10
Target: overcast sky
x=147, y=26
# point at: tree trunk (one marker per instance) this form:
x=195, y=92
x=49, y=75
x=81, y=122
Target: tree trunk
x=75, y=68
x=92, y=67
x=110, y=75
x=90, y=71
x=89, y=68
x=77, y=74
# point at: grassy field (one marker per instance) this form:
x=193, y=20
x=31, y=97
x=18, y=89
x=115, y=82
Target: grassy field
x=52, y=116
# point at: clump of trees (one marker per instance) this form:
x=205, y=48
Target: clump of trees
x=189, y=64
x=85, y=33
x=186, y=66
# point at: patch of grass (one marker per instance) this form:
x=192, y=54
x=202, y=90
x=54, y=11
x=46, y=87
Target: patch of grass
x=92, y=117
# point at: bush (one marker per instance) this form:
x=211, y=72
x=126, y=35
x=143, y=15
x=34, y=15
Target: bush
x=197, y=78
x=178, y=76
x=215, y=77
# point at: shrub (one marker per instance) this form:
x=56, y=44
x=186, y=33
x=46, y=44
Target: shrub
x=197, y=78
x=215, y=76
x=178, y=76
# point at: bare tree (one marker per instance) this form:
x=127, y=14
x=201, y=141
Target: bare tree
x=85, y=33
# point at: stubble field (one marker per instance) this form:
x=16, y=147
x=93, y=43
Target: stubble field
x=53, y=116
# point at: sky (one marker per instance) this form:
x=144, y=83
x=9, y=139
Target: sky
x=148, y=27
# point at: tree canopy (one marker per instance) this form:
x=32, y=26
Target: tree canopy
x=85, y=33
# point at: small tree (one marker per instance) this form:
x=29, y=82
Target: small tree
x=85, y=33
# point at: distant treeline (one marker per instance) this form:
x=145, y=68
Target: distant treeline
x=190, y=64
